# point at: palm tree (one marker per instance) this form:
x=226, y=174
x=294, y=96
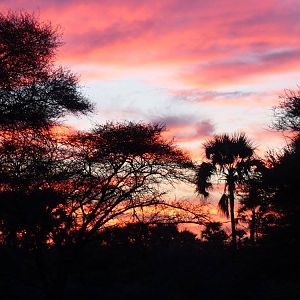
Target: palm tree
x=229, y=158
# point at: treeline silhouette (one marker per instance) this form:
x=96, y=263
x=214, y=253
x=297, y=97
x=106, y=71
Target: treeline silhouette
x=86, y=215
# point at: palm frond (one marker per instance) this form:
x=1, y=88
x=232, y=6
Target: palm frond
x=224, y=149
x=243, y=146
x=203, y=176
x=223, y=206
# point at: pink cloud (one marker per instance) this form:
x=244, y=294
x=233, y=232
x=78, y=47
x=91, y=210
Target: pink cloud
x=207, y=42
x=186, y=130
x=237, y=70
x=205, y=128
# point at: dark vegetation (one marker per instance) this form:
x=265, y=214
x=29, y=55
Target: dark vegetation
x=86, y=215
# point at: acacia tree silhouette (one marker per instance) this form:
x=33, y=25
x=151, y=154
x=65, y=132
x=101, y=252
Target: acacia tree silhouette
x=122, y=169
x=229, y=158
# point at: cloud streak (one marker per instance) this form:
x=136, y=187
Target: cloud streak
x=186, y=128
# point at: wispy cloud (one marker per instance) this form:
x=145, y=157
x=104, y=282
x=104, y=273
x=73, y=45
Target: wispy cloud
x=198, y=95
x=186, y=128
x=235, y=70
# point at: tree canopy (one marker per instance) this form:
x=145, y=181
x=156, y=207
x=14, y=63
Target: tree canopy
x=33, y=91
x=287, y=113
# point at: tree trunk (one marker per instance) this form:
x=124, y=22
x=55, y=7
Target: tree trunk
x=232, y=219
x=252, y=228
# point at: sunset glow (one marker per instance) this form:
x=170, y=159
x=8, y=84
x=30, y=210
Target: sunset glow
x=200, y=67
x=149, y=149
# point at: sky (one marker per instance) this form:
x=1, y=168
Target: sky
x=199, y=67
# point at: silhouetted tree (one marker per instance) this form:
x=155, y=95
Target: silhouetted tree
x=255, y=208
x=282, y=180
x=33, y=92
x=214, y=235
x=282, y=177
x=31, y=166
x=124, y=169
x=229, y=158
x=27, y=48
x=287, y=113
